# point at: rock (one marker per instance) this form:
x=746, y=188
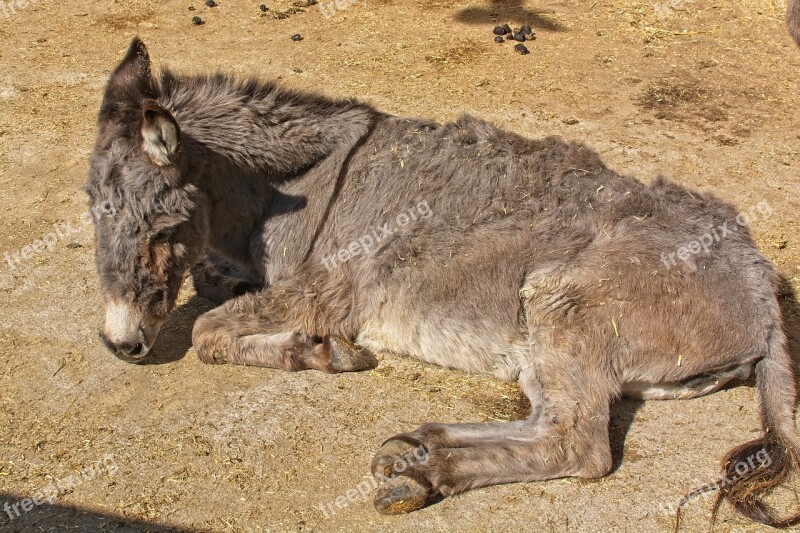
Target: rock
x=297, y=37
x=263, y=8
x=519, y=37
x=522, y=49
x=211, y=3
x=499, y=30
x=197, y=21
x=499, y=39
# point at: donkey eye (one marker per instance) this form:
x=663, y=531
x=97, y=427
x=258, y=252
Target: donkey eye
x=161, y=236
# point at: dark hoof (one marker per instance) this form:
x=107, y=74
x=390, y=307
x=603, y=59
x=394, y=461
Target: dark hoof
x=393, y=458
x=349, y=357
x=400, y=495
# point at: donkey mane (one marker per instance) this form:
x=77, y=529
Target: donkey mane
x=238, y=117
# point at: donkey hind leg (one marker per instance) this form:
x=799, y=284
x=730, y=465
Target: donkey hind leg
x=691, y=388
x=241, y=332
x=565, y=435
x=220, y=280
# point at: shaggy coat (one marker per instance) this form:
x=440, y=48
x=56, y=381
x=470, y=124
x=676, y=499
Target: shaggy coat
x=332, y=230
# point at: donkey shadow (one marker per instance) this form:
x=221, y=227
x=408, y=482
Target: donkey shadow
x=175, y=338
x=510, y=11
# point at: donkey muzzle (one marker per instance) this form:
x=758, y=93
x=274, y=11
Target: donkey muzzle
x=127, y=333
x=130, y=352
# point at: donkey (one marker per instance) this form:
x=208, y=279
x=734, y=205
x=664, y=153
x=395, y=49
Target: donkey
x=329, y=231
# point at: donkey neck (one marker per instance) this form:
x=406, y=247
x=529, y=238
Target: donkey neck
x=245, y=141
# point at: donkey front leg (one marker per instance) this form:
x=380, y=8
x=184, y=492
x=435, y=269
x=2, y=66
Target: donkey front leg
x=565, y=436
x=241, y=332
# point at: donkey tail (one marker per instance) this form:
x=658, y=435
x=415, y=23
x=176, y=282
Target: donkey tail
x=756, y=467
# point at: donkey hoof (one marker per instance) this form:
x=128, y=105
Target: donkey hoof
x=400, y=495
x=392, y=458
x=347, y=356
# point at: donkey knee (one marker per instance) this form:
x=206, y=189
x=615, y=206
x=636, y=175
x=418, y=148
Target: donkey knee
x=207, y=337
x=593, y=463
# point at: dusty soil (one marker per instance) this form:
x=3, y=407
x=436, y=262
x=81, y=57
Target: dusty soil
x=703, y=91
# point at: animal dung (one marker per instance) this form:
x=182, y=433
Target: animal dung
x=519, y=35
x=521, y=49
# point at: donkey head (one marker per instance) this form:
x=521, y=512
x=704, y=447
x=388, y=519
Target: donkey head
x=151, y=222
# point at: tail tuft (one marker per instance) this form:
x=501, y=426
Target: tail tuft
x=752, y=470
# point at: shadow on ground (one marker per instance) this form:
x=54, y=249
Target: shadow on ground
x=175, y=338
x=59, y=517
x=510, y=11
x=623, y=413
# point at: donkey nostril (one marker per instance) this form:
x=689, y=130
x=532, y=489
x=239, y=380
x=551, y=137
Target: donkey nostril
x=136, y=350
x=129, y=349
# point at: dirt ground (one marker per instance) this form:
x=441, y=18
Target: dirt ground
x=704, y=91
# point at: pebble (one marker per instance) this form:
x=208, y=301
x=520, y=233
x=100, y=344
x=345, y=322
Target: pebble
x=499, y=39
x=191, y=8
x=499, y=30
x=519, y=37
x=211, y=3
x=197, y=21
x=263, y=7
x=521, y=49
x=507, y=28
x=297, y=37
x=526, y=30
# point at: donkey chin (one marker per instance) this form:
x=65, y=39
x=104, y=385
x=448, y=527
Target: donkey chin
x=129, y=333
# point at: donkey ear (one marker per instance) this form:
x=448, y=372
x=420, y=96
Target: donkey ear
x=161, y=136
x=130, y=82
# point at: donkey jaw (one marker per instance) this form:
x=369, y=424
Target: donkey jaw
x=127, y=333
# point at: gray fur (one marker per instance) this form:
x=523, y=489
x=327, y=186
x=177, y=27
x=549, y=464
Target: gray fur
x=537, y=263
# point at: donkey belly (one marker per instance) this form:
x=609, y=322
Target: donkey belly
x=463, y=313
x=449, y=342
